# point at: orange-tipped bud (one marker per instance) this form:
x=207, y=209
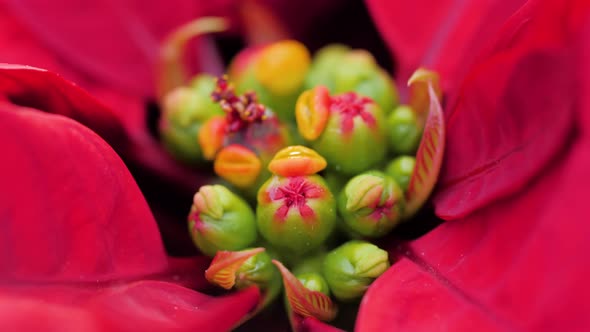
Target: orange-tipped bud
x=238, y=165
x=297, y=160
x=281, y=67
x=211, y=136
x=312, y=111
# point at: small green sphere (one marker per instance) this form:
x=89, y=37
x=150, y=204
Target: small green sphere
x=295, y=214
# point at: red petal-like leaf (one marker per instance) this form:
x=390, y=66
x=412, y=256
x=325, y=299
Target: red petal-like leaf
x=428, y=158
x=310, y=324
x=114, y=41
x=513, y=265
x=515, y=111
x=80, y=248
x=72, y=208
x=303, y=301
x=44, y=90
x=137, y=147
x=445, y=35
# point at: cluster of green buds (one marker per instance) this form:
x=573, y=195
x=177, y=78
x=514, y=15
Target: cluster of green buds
x=327, y=151
x=296, y=213
x=276, y=72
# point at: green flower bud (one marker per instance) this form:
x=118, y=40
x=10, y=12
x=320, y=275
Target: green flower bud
x=381, y=88
x=295, y=214
x=257, y=270
x=185, y=109
x=220, y=220
x=355, y=67
x=404, y=130
x=354, y=138
x=325, y=63
x=358, y=72
x=312, y=263
x=314, y=282
x=371, y=204
x=243, y=269
x=341, y=70
x=275, y=72
x=401, y=169
x=352, y=267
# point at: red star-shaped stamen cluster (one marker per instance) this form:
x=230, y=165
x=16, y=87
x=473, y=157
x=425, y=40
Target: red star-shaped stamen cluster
x=350, y=105
x=295, y=195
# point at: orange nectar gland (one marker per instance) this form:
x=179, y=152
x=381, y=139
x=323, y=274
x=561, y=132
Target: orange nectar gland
x=312, y=111
x=296, y=160
x=281, y=67
x=211, y=136
x=238, y=165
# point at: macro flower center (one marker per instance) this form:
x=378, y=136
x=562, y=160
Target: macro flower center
x=350, y=106
x=241, y=110
x=295, y=195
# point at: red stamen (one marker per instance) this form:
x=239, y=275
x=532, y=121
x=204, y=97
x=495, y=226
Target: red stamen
x=198, y=224
x=383, y=210
x=350, y=105
x=241, y=110
x=295, y=195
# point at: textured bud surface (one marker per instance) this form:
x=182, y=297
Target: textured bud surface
x=356, y=127
x=371, y=204
x=401, y=169
x=281, y=67
x=296, y=214
x=352, y=267
x=220, y=220
x=404, y=130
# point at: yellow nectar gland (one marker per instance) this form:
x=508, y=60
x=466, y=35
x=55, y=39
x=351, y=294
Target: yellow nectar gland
x=282, y=66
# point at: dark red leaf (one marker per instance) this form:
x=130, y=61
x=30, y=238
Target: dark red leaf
x=515, y=264
x=114, y=41
x=80, y=248
x=444, y=35
x=38, y=88
x=43, y=90
x=310, y=324
x=515, y=110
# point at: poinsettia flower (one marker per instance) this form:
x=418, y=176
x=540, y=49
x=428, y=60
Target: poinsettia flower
x=504, y=261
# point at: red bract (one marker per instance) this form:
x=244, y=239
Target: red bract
x=513, y=187
x=442, y=35
x=80, y=248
